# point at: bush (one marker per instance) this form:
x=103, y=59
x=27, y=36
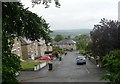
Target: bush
x=61, y=51
x=83, y=52
x=112, y=64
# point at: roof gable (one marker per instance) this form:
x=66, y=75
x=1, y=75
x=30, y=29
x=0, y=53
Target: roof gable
x=66, y=42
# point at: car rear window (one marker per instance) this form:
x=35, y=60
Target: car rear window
x=80, y=57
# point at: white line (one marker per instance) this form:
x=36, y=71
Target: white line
x=87, y=70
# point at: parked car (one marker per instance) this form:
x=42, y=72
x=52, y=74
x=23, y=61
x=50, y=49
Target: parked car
x=44, y=58
x=80, y=60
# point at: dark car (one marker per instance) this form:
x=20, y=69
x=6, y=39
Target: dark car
x=80, y=60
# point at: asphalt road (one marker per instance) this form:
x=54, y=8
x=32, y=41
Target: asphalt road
x=65, y=71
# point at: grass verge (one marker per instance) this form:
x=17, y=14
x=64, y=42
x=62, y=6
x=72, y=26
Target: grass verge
x=29, y=65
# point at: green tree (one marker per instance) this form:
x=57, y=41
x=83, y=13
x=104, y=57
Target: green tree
x=112, y=64
x=18, y=22
x=58, y=38
x=105, y=37
x=80, y=45
x=59, y=50
x=83, y=44
x=46, y=3
x=89, y=47
x=106, y=40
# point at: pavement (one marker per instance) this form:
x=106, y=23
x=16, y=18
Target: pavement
x=65, y=71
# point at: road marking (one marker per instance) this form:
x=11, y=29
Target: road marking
x=87, y=70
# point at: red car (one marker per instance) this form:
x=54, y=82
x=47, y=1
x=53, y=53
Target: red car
x=44, y=58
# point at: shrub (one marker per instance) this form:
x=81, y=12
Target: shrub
x=83, y=52
x=112, y=64
x=61, y=51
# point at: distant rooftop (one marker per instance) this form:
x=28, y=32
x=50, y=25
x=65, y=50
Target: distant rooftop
x=70, y=41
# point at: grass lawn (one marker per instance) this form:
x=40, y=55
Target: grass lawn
x=29, y=65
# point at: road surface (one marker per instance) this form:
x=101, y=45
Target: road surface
x=65, y=71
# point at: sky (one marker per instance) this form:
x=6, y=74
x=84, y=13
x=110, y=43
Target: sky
x=76, y=14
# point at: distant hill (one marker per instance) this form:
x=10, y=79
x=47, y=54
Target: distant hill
x=72, y=32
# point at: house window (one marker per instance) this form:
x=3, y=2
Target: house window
x=14, y=51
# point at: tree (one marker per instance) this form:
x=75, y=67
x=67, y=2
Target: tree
x=80, y=45
x=106, y=45
x=112, y=65
x=59, y=50
x=105, y=37
x=18, y=22
x=45, y=2
x=69, y=37
x=83, y=44
x=89, y=47
x=58, y=38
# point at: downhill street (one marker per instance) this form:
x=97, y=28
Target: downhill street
x=65, y=71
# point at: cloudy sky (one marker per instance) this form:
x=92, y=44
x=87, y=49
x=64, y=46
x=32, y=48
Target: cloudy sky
x=76, y=14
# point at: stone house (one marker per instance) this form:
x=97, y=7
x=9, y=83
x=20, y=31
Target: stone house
x=26, y=46
x=67, y=44
x=16, y=49
x=34, y=49
x=41, y=47
x=28, y=49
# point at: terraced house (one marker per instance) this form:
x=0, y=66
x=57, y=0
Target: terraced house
x=16, y=49
x=41, y=47
x=28, y=49
x=26, y=46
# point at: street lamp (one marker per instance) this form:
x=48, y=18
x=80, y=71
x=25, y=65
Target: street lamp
x=45, y=2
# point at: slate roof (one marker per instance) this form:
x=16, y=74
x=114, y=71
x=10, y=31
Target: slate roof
x=25, y=41
x=66, y=42
x=41, y=42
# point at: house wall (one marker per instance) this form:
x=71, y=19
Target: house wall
x=16, y=49
x=49, y=48
x=42, y=49
x=30, y=50
x=34, y=50
x=24, y=52
x=73, y=46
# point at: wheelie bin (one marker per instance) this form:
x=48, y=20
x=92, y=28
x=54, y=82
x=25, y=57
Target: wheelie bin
x=50, y=66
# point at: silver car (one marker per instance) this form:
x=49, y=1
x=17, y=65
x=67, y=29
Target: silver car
x=80, y=60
